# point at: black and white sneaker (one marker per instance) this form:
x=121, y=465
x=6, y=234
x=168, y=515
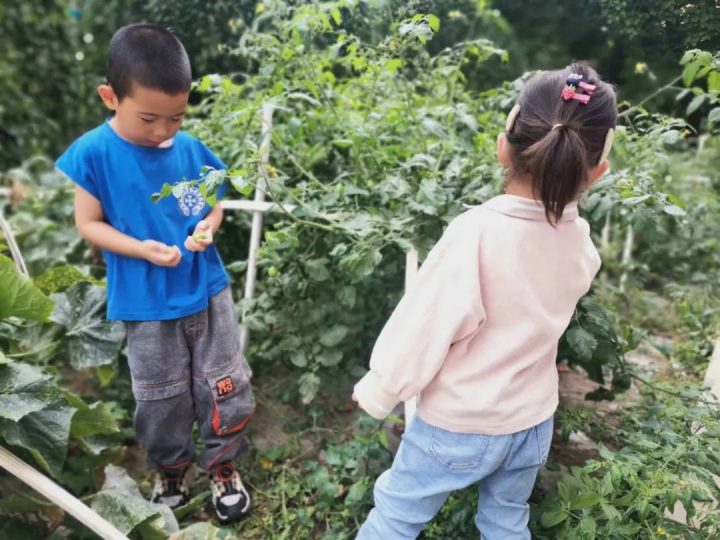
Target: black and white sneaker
x=170, y=488
x=230, y=499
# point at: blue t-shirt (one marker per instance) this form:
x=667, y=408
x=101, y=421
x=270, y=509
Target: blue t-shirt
x=123, y=176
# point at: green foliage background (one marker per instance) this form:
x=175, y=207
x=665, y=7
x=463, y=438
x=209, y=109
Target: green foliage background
x=384, y=126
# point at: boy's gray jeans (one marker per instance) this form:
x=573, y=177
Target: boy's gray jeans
x=190, y=369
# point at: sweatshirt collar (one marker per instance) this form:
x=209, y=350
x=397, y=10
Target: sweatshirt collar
x=520, y=207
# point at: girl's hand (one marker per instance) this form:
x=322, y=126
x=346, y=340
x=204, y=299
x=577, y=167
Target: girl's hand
x=201, y=238
x=160, y=254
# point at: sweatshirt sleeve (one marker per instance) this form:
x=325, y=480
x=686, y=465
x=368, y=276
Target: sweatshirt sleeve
x=442, y=306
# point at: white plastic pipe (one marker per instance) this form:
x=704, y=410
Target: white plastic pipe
x=59, y=496
x=257, y=220
x=411, y=268
x=254, y=206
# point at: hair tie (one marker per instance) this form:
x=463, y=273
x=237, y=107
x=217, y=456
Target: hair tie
x=557, y=126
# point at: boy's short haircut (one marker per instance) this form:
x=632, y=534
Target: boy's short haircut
x=149, y=55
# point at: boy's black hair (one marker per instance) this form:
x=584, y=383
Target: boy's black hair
x=149, y=55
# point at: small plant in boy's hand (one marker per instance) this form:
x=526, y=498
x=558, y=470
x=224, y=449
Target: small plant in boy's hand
x=161, y=254
x=201, y=238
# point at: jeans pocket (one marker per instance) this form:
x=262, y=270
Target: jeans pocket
x=458, y=451
x=544, y=435
x=233, y=402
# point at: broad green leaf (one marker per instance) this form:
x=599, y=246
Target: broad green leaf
x=205, y=531
x=91, y=339
x=122, y=504
x=317, y=270
x=689, y=72
x=337, y=17
x=673, y=210
x=95, y=419
x=360, y=263
x=714, y=116
x=309, y=384
x=44, y=434
x=25, y=389
x=586, y=500
x=695, y=104
x=330, y=358
x=553, y=517
x=356, y=493
x=19, y=297
x=714, y=81
x=60, y=278
x=334, y=335
x=582, y=343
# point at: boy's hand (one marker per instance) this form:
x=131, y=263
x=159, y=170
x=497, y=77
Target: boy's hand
x=160, y=254
x=201, y=238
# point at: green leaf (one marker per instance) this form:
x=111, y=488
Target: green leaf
x=25, y=389
x=91, y=339
x=60, y=278
x=309, y=384
x=95, y=419
x=582, y=343
x=356, y=493
x=330, y=358
x=695, y=104
x=122, y=504
x=714, y=116
x=19, y=297
x=714, y=82
x=585, y=500
x=334, y=335
x=553, y=517
x=44, y=433
x=336, y=16
x=317, y=270
x=671, y=137
x=673, y=210
x=434, y=23
x=689, y=72
x=205, y=531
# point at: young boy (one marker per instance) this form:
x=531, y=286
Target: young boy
x=164, y=275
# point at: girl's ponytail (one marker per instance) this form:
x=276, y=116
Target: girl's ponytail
x=558, y=136
x=558, y=166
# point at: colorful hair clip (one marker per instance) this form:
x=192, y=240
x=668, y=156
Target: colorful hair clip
x=576, y=89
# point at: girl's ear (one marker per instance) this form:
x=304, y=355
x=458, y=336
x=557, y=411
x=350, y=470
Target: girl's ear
x=597, y=172
x=503, y=150
x=107, y=94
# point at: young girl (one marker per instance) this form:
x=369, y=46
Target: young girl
x=477, y=334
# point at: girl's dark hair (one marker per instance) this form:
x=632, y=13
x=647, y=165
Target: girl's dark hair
x=556, y=141
x=149, y=55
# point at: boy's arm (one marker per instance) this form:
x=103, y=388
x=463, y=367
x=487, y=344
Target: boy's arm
x=91, y=225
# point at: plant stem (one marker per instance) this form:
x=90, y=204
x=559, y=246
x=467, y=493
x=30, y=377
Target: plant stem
x=668, y=86
x=32, y=353
x=670, y=392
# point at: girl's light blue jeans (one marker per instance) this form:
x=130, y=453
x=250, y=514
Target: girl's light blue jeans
x=431, y=463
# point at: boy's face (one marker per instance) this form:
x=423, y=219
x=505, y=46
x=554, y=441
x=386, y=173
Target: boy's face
x=146, y=117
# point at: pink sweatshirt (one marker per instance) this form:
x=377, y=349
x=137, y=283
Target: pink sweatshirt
x=477, y=333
